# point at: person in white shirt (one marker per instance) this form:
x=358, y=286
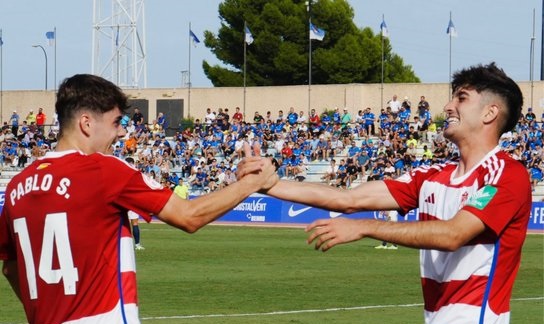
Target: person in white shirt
x=395, y=105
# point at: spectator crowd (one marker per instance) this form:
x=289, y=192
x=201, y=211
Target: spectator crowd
x=365, y=147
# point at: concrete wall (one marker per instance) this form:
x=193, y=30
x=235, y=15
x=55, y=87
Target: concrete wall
x=262, y=99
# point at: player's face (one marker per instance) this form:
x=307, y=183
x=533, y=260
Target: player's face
x=106, y=131
x=463, y=114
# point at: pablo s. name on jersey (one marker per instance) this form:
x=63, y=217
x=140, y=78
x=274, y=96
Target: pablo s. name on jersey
x=38, y=182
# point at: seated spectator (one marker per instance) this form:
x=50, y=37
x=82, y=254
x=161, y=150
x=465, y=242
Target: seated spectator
x=536, y=171
x=341, y=175
x=330, y=172
x=337, y=146
x=130, y=145
x=200, y=180
x=352, y=172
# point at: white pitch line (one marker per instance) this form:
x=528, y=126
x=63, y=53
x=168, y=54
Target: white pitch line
x=301, y=311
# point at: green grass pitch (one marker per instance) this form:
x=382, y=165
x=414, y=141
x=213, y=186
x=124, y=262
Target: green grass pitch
x=226, y=274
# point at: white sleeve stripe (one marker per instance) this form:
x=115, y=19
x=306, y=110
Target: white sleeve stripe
x=128, y=262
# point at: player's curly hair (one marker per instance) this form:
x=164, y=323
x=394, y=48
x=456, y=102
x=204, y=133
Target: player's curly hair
x=492, y=79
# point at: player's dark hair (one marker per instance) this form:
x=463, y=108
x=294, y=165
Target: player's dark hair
x=87, y=92
x=492, y=79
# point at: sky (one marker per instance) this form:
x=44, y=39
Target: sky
x=488, y=30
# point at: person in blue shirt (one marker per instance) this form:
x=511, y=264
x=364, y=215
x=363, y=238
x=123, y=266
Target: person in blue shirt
x=323, y=148
x=353, y=150
x=342, y=174
x=369, y=118
x=292, y=117
x=336, y=118
x=14, y=123
x=325, y=118
x=426, y=119
x=536, y=170
x=162, y=121
x=404, y=115
x=530, y=115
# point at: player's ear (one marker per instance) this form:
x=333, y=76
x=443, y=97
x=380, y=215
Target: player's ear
x=491, y=112
x=85, y=123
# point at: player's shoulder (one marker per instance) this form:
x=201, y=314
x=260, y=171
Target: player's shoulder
x=502, y=162
x=502, y=159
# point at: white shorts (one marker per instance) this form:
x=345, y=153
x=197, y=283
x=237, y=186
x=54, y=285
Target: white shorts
x=132, y=215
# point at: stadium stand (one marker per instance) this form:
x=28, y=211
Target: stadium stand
x=302, y=149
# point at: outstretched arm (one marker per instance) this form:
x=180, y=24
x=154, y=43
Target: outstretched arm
x=191, y=215
x=440, y=235
x=372, y=195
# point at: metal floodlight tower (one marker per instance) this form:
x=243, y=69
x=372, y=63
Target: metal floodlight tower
x=119, y=45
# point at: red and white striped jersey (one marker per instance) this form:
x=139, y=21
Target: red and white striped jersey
x=474, y=283
x=65, y=223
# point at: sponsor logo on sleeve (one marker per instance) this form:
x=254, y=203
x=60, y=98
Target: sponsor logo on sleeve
x=482, y=197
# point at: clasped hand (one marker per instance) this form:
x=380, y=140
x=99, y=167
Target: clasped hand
x=259, y=170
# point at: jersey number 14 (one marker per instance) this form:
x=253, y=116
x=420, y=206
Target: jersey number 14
x=55, y=235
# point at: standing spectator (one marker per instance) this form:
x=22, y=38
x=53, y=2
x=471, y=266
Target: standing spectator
x=426, y=119
x=209, y=118
x=30, y=117
x=395, y=105
x=268, y=117
x=55, y=124
x=423, y=104
x=238, y=116
x=162, y=121
x=292, y=116
x=40, y=120
x=530, y=115
x=78, y=217
x=473, y=212
x=369, y=118
x=257, y=118
x=336, y=117
x=138, y=117
x=315, y=121
x=14, y=119
x=404, y=115
x=346, y=118
x=406, y=104
x=281, y=117
x=226, y=117
x=221, y=119
x=301, y=118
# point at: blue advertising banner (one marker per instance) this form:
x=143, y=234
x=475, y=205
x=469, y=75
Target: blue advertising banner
x=259, y=208
x=264, y=209
x=256, y=209
x=536, y=222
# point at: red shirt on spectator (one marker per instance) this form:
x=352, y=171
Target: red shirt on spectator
x=286, y=151
x=40, y=118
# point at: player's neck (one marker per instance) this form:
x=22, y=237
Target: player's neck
x=472, y=155
x=68, y=144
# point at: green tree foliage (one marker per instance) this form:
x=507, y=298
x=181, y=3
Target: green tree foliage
x=279, y=53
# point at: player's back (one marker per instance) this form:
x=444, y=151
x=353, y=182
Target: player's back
x=71, y=241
